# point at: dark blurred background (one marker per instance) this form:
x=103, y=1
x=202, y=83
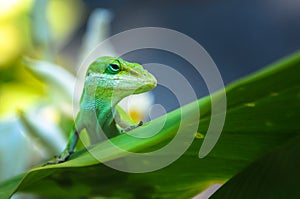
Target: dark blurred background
x=240, y=36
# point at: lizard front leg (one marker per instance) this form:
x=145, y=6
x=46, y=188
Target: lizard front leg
x=124, y=121
x=64, y=156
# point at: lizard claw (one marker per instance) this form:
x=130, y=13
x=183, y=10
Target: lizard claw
x=140, y=123
x=59, y=159
x=132, y=127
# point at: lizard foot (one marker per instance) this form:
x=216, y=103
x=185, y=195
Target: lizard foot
x=61, y=158
x=132, y=127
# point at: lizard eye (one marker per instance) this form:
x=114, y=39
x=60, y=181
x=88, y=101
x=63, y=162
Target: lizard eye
x=113, y=68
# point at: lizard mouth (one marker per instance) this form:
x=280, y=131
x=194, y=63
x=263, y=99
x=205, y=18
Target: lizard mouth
x=135, y=85
x=146, y=86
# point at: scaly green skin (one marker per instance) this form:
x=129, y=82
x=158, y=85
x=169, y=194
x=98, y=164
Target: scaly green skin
x=108, y=80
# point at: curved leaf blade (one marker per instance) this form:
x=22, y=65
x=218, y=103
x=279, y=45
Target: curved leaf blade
x=256, y=123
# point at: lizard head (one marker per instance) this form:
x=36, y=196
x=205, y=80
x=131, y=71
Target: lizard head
x=119, y=76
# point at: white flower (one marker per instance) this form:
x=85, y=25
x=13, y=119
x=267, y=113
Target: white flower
x=138, y=106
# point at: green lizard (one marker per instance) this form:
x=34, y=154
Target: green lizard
x=108, y=80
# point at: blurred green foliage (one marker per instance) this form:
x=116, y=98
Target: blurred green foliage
x=26, y=31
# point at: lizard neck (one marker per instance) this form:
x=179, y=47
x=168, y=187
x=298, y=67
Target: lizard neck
x=94, y=99
x=101, y=103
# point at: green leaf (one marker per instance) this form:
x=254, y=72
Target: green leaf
x=275, y=175
x=262, y=115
